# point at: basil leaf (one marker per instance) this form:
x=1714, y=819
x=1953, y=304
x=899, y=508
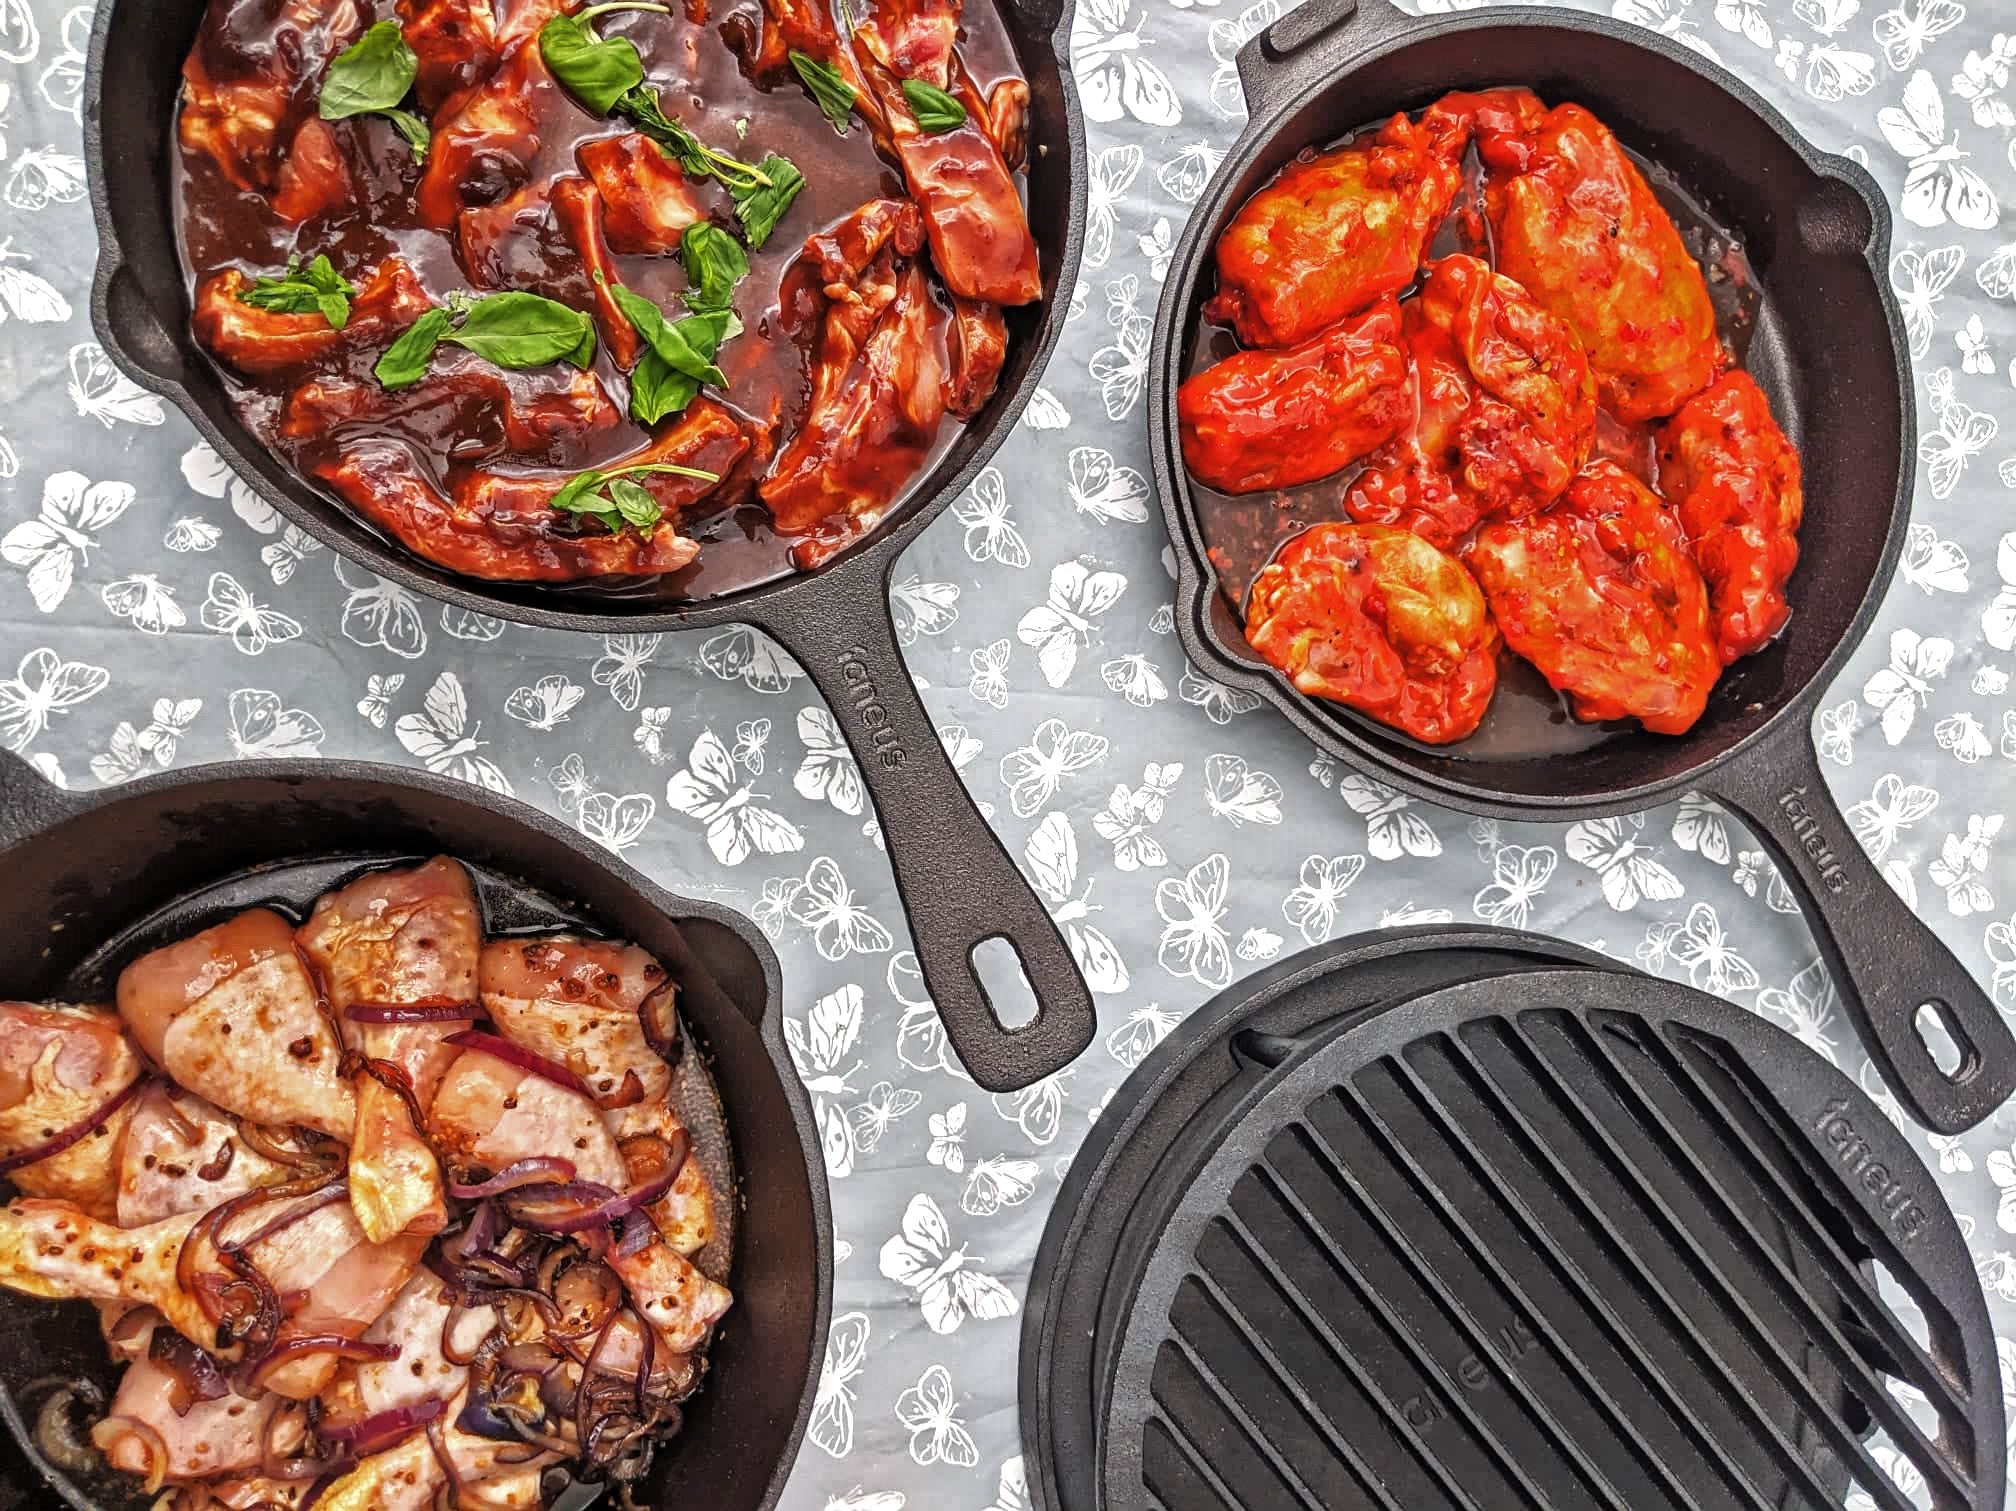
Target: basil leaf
x=759, y=209
x=315, y=289
x=933, y=108
x=597, y=71
x=518, y=330
x=714, y=265
x=832, y=93
x=572, y=492
x=635, y=503
x=404, y=362
x=657, y=391
x=371, y=74
x=410, y=126
x=686, y=346
x=610, y=496
x=647, y=112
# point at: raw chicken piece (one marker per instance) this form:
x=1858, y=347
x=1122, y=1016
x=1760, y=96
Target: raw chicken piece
x=395, y=939
x=52, y=1249
x=61, y=1065
x=1733, y=478
x=1275, y=419
x=181, y=1155
x=270, y=344
x=1577, y=224
x=157, y=1429
x=1377, y=618
x=232, y=1014
x=485, y=141
x=579, y=1002
x=1337, y=231
x=408, y=1476
x=1600, y=594
x=489, y=1114
x=487, y=408
x=647, y=199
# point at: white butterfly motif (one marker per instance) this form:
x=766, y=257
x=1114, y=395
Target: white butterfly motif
x=1900, y=689
x=711, y=790
x=29, y=296
x=145, y=602
x=1185, y=175
x=819, y=1045
x=1962, y=865
x=1221, y=704
x=376, y=704
x=1135, y=678
x=858, y=1499
x=1892, y=806
x=42, y=176
x=1059, y=627
x=468, y=624
x=1392, y=828
x=1131, y=812
x=1104, y=490
x=752, y=740
x=1710, y=960
x=1997, y=273
x=191, y=533
x=1225, y=38
x=229, y=609
x=1933, y=565
x=1989, y=681
x=131, y=748
x=920, y=1035
x=51, y=545
x=262, y=727
x=1667, y=17
x=103, y=393
x=1938, y=186
x=545, y=705
x=1131, y=1041
x=1746, y=18
x=829, y=772
x=1953, y=1156
x=998, y=1183
x=1114, y=80
x=1046, y=411
x=1999, y=941
x=445, y=739
x=740, y=654
x=921, y=1257
x=1112, y=172
x=1627, y=868
x=991, y=533
x=1240, y=794
x=1037, y=1110
x=44, y=685
x=620, y=668
x=1032, y=772
x=2002, y=1171
x=1158, y=245
x=1972, y=339
x=1904, y=30
x=1998, y=620
x=1312, y=904
x=1806, y=1007
x=616, y=822
x=948, y=1139
x=62, y=81
x=1013, y=1492
x=840, y=926
x=1519, y=874
x=989, y=682
x=1836, y=740
x=383, y=615
x=1699, y=828
x=1194, y=941
x=1051, y=855
x=282, y=556
x=1963, y=433
x=923, y=608
x=1121, y=367
x=1833, y=72
x=832, y=1429
x=1751, y=867
x=1827, y=17
x=937, y=1435
x=1963, y=735
x=570, y=783
x=1920, y=280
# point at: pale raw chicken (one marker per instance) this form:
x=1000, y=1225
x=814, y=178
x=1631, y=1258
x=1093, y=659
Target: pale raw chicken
x=59, y=1067
x=580, y=1002
x=397, y=939
x=181, y=1154
x=156, y=1429
x=409, y=1476
x=489, y=1114
x=232, y=1014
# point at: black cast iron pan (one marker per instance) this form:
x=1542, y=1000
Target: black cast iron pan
x=1828, y=348
x=94, y=880
x=960, y=887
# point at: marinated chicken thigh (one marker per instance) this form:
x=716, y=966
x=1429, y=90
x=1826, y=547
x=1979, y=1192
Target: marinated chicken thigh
x=67, y=1079
x=175, y=1416
x=278, y=344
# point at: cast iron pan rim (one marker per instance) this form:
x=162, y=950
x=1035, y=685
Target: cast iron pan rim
x=46, y=808
x=395, y=563
x=1197, y=580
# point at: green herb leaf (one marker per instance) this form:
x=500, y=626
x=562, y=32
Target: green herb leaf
x=634, y=502
x=657, y=391
x=597, y=71
x=933, y=108
x=575, y=489
x=831, y=92
x=759, y=209
x=647, y=112
x=519, y=330
x=404, y=362
x=315, y=289
x=410, y=126
x=714, y=265
x=609, y=495
x=372, y=74
x=686, y=346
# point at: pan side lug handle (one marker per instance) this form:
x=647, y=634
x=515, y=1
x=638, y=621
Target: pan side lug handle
x=1313, y=37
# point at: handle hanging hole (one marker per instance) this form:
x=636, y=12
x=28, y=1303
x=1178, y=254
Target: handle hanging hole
x=1944, y=1040
x=1004, y=983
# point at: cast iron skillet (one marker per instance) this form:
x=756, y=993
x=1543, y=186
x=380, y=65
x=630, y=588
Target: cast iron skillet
x=959, y=885
x=165, y=856
x=1829, y=351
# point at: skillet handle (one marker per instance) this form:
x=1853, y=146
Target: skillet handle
x=1888, y=962
x=960, y=888
x=1273, y=65
x=28, y=803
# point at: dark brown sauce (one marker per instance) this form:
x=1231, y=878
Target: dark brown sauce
x=1244, y=532
x=702, y=84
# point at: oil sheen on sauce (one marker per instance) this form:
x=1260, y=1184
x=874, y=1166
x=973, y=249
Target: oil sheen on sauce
x=1243, y=532
x=702, y=85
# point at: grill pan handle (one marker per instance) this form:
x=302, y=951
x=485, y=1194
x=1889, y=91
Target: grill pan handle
x=960, y=888
x=28, y=803
x=1315, y=37
x=1887, y=961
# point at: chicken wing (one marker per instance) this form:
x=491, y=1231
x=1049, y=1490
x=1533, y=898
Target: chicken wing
x=877, y=354
x=232, y=1014
x=1600, y=594
x=1376, y=618
x=1273, y=419
x=397, y=939
x=581, y=1002
x=1576, y=223
x=647, y=199
x=1733, y=479
x=272, y=344
x=61, y=1066
x=1337, y=231
x=488, y=409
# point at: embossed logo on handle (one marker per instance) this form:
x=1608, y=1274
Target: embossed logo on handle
x=1806, y=828
x=866, y=701
x=1852, y=1152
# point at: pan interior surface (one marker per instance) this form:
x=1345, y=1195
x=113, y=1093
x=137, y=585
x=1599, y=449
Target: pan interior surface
x=1822, y=349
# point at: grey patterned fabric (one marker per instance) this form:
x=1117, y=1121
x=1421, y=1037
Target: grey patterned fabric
x=154, y=613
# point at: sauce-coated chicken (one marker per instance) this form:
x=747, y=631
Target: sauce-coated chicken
x=274, y=344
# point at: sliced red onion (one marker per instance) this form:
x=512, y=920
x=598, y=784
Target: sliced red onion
x=659, y=1015
x=380, y=1430
x=530, y=1209
x=638, y=1231
x=413, y=1012
x=195, y=1372
x=322, y=1343
x=525, y=1059
x=537, y=1169
x=75, y=1132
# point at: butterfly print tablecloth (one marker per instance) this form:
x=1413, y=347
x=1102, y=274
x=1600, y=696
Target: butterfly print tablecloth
x=154, y=613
